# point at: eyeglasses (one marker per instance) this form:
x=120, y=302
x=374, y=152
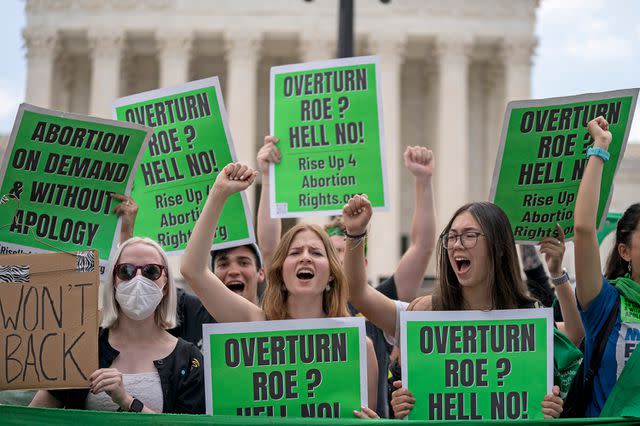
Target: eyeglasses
x=467, y=239
x=126, y=271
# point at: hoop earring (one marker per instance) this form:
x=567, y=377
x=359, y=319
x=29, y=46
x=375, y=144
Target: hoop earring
x=629, y=267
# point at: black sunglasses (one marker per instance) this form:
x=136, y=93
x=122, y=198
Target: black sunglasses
x=126, y=271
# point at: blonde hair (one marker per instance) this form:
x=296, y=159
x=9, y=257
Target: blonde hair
x=165, y=315
x=334, y=301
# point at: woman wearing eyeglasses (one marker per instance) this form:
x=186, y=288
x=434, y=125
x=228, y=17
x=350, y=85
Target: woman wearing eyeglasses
x=477, y=270
x=143, y=368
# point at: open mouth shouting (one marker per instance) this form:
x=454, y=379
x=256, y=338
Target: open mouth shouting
x=236, y=286
x=305, y=274
x=462, y=264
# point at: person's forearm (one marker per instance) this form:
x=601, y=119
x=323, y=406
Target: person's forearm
x=269, y=229
x=196, y=256
x=586, y=208
x=354, y=268
x=413, y=264
x=423, y=224
x=570, y=314
x=586, y=249
x=126, y=232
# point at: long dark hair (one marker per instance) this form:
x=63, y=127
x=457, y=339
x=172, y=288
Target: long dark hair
x=506, y=288
x=616, y=265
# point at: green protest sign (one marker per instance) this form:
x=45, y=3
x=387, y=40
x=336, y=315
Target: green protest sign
x=328, y=118
x=542, y=156
x=476, y=365
x=191, y=143
x=56, y=179
x=292, y=368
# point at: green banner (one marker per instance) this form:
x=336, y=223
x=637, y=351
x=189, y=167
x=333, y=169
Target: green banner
x=293, y=368
x=472, y=365
x=26, y=416
x=328, y=118
x=56, y=179
x=542, y=157
x=191, y=143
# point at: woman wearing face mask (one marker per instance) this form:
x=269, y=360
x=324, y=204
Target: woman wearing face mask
x=143, y=368
x=477, y=270
x=305, y=278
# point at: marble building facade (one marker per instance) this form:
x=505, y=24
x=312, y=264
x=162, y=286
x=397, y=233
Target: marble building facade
x=448, y=69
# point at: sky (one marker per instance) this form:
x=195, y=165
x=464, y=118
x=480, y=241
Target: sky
x=583, y=46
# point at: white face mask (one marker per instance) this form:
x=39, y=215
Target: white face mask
x=139, y=297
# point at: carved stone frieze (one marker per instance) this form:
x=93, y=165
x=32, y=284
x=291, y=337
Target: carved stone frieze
x=44, y=6
x=453, y=49
x=242, y=46
x=518, y=51
x=106, y=44
x=41, y=43
x=175, y=43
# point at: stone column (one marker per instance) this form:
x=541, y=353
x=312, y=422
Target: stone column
x=516, y=56
x=243, y=53
x=64, y=74
x=174, y=57
x=384, y=239
x=42, y=51
x=106, y=58
x=495, y=108
x=452, y=132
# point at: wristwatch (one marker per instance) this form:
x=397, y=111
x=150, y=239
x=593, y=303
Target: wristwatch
x=136, y=405
x=561, y=279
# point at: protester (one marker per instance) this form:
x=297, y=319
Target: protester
x=477, y=270
x=240, y=268
x=408, y=276
x=142, y=367
x=541, y=288
x=618, y=292
x=305, y=278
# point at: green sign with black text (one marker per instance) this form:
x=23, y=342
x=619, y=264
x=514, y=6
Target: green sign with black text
x=57, y=176
x=474, y=365
x=292, y=368
x=191, y=143
x=542, y=157
x=328, y=118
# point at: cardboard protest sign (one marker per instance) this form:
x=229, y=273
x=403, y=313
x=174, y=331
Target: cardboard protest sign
x=191, y=143
x=48, y=320
x=292, y=368
x=56, y=179
x=328, y=118
x=542, y=156
x=476, y=365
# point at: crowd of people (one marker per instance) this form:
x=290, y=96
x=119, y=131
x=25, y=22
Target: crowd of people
x=151, y=331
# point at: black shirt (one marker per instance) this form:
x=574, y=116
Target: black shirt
x=191, y=316
x=382, y=348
